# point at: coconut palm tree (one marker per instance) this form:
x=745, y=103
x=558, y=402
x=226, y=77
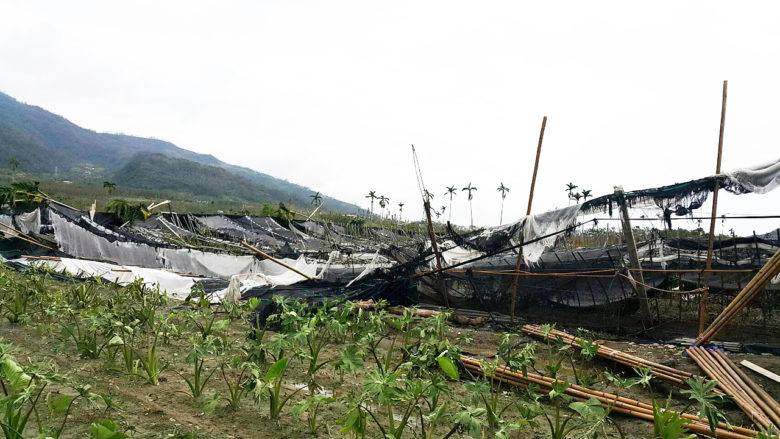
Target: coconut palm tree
x=13, y=163
x=443, y=209
x=451, y=190
x=400, y=211
x=372, y=196
x=470, y=189
x=586, y=194
x=577, y=196
x=316, y=199
x=503, y=189
x=570, y=187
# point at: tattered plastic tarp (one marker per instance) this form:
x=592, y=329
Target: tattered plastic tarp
x=175, y=285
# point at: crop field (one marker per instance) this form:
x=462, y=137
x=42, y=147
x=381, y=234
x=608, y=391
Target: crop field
x=85, y=359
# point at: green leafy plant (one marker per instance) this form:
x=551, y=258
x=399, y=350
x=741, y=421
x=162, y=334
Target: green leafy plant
x=309, y=407
x=269, y=387
x=701, y=393
x=668, y=424
x=106, y=429
x=197, y=357
x=238, y=386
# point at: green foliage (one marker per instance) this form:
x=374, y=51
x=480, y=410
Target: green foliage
x=668, y=424
x=701, y=392
x=106, y=429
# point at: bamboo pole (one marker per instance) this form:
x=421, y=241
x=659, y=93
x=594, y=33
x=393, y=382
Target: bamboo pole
x=706, y=295
x=21, y=236
x=628, y=234
x=519, y=263
x=609, y=401
x=432, y=234
x=272, y=259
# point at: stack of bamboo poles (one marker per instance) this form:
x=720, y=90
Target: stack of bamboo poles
x=614, y=403
x=751, y=290
x=752, y=399
x=666, y=373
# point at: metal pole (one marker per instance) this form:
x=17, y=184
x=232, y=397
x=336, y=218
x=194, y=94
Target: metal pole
x=708, y=266
x=527, y=212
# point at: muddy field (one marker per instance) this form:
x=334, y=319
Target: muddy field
x=166, y=410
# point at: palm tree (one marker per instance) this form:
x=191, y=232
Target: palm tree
x=13, y=163
x=577, y=196
x=570, y=187
x=400, y=211
x=503, y=189
x=383, y=200
x=470, y=189
x=109, y=186
x=450, y=191
x=586, y=194
x=443, y=209
x=316, y=199
x=372, y=196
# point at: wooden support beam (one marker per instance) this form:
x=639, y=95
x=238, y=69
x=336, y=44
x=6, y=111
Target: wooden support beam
x=705, y=297
x=527, y=212
x=272, y=259
x=636, y=267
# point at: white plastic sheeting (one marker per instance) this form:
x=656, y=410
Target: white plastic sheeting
x=175, y=285
x=759, y=179
x=29, y=222
x=270, y=274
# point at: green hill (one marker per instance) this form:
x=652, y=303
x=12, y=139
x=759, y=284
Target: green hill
x=47, y=144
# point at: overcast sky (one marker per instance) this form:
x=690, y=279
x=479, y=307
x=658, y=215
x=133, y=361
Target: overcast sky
x=332, y=94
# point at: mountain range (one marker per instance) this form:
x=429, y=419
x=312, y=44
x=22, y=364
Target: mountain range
x=48, y=144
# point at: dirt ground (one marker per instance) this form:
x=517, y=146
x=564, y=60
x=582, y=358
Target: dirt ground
x=166, y=411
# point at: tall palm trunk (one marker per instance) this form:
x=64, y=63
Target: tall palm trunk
x=449, y=219
x=501, y=217
x=471, y=214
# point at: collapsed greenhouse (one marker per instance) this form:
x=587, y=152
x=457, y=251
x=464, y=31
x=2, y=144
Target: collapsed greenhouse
x=479, y=269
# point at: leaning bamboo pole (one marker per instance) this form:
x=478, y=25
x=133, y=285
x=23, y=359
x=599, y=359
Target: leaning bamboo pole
x=751, y=290
x=609, y=401
x=273, y=259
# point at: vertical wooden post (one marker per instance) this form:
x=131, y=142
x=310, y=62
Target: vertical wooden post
x=527, y=212
x=432, y=234
x=633, y=258
x=708, y=266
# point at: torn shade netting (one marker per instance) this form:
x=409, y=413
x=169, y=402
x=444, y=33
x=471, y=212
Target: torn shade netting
x=678, y=199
